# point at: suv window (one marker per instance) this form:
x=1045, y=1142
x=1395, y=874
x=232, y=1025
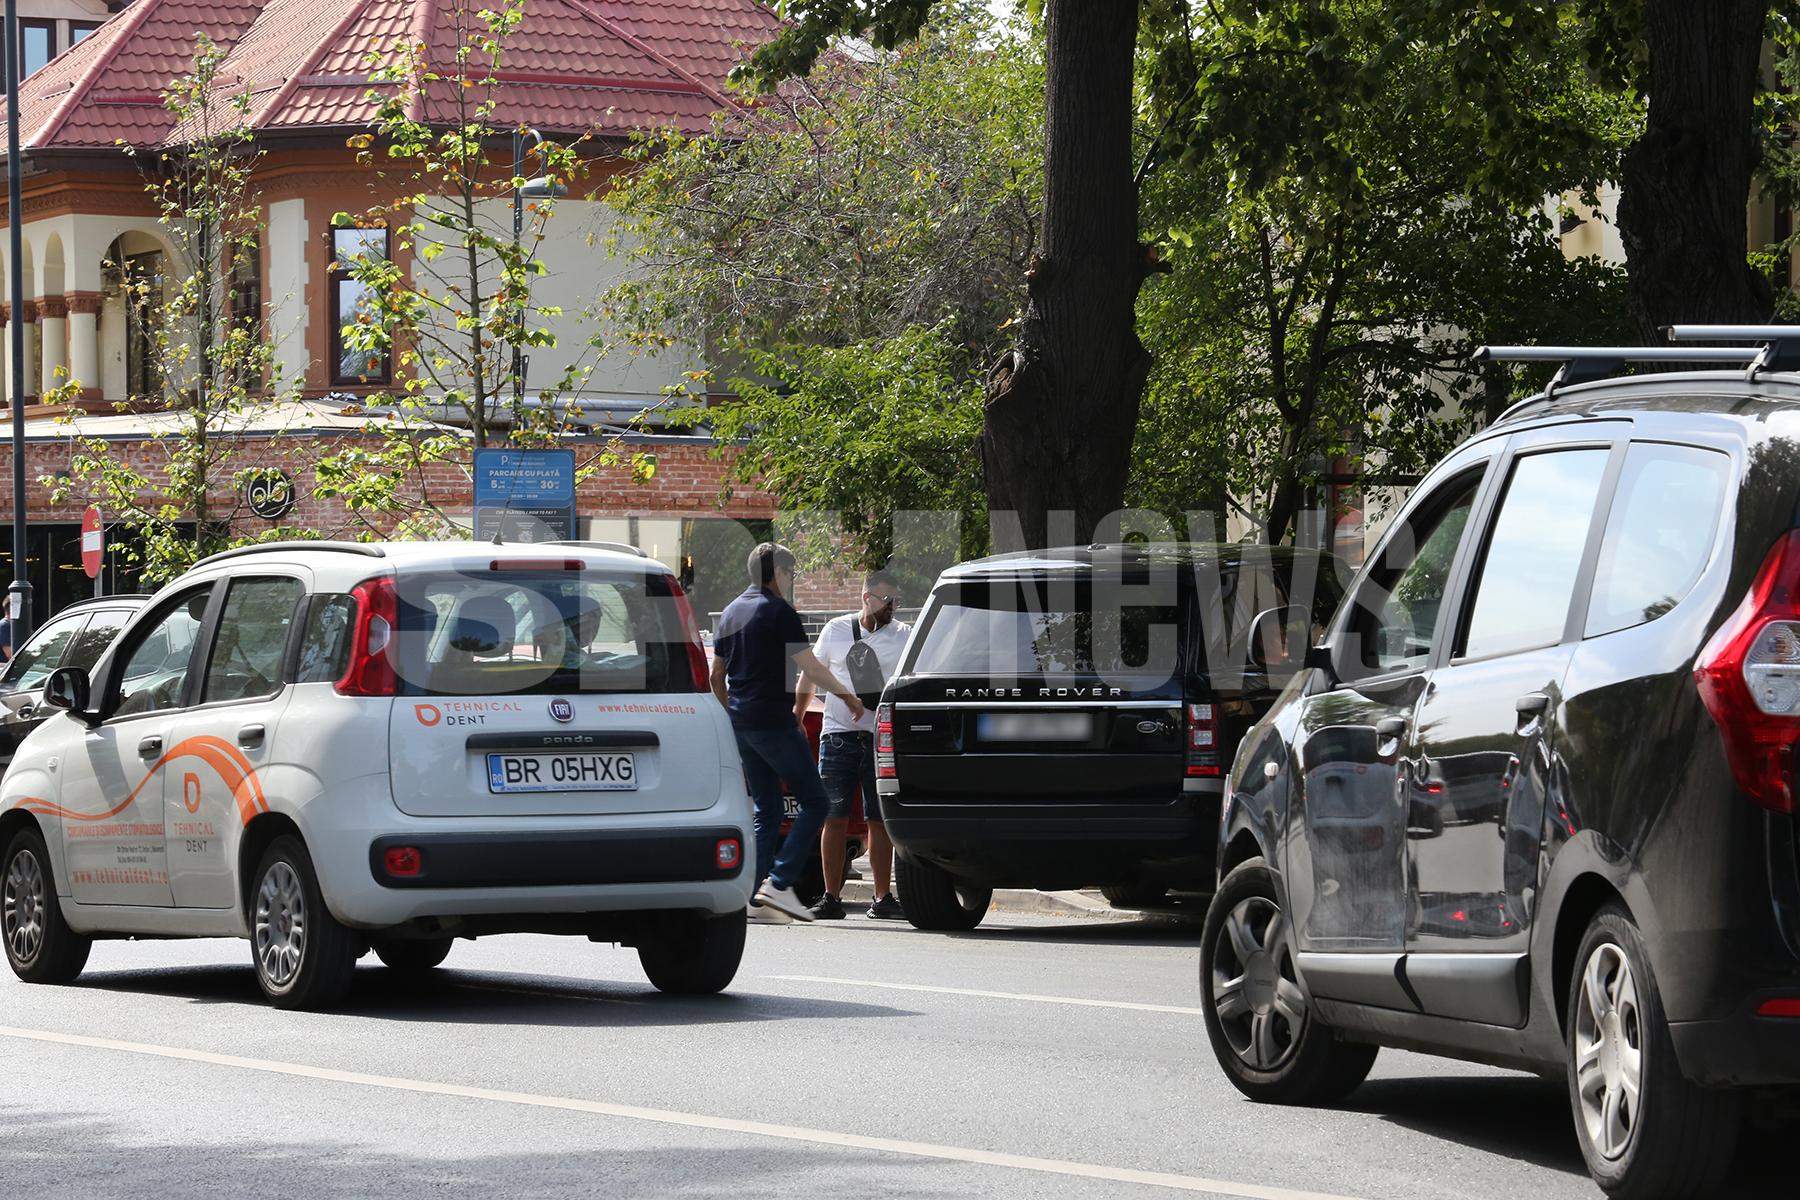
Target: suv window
x=92, y=642
x=252, y=639
x=509, y=633
x=1533, y=555
x=1398, y=614
x=156, y=665
x=1664, y=518
x=40, y=656
x=1007, y=628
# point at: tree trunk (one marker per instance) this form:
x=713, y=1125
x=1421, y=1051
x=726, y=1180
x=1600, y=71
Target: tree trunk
x=1062, y=408
x=1686, y=181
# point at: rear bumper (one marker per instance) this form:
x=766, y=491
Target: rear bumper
x=1739, y=1051
x=1063, y=845
x=561, y=859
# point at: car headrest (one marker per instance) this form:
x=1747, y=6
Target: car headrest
x=484, y=625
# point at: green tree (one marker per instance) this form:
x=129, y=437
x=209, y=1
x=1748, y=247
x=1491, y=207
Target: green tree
x=1323, y=309
x=215, y=367
x=851, y=249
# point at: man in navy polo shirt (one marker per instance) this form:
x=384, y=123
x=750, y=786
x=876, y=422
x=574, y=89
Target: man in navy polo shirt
x=759, y=646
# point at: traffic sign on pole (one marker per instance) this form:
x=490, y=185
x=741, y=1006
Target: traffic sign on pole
x=93, y=543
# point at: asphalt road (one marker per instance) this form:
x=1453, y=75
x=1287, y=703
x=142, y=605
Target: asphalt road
x=1039, y=1057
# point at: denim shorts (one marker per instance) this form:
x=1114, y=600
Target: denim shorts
x=846, y=760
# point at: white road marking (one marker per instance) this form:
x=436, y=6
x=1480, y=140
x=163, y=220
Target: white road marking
x=660, y=1116
x=1078, y=1001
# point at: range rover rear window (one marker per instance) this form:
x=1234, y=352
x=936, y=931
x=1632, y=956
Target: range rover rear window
x=1010, y=628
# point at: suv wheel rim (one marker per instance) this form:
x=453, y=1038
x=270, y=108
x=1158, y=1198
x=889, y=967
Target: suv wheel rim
x=280, y=925
x=1255, y=993
x=1609, y=1050
x=22, y=907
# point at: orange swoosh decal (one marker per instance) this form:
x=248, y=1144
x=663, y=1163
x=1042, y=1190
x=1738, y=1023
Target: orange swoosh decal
x=227, y=761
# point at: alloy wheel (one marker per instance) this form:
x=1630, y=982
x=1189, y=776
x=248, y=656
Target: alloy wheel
x=1255, y=993
x=280, y=925
x=22, y=907
x=1609, y=1050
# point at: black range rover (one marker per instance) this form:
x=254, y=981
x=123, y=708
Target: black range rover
x=1064, y=718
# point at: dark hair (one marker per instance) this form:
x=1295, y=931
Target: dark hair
x=880, y=575
x=766, y=559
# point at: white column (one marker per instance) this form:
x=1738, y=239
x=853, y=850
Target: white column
x=84, y=347
x=31, y=375
x=53, y=317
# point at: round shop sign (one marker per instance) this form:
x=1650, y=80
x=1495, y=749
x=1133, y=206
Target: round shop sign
x=270, y=493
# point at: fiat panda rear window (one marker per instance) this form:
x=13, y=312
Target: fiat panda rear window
x=523, y=633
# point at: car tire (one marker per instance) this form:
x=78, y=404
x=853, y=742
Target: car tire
x=412, y=956
x=693, y=953
x=1259, y=1017
x=303, y=955
x=936, y=900
x=1135, y=895
x=1679, y=1139
x=40, y=946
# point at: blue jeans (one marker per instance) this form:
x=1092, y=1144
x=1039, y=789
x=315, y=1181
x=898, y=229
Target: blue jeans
x=771, y=756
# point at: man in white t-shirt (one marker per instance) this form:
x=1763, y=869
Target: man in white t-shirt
x=847, y=743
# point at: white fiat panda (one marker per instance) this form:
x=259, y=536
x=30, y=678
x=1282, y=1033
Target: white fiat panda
x=329, y=748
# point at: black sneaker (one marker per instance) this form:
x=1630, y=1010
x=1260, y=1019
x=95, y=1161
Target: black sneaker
x=829, y=908
x=887, y=909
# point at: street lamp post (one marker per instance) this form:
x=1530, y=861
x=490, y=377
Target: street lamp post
x=537, y=188
x=19, y=594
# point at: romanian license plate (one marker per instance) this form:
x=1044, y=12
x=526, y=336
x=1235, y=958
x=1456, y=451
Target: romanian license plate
x=584, y=771
x=1034, y=727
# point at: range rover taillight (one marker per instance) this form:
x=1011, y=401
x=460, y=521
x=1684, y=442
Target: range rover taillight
x=370, y=671
x=690, y=629
x=1749, y=679
x=884, y=742
x=1203, y=741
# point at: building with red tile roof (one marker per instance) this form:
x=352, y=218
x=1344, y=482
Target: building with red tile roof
x=600, y=70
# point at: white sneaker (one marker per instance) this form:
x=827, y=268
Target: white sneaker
x=759, y=915
x=782, y=900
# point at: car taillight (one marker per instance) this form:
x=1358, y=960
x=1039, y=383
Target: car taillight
x=1202, y=741
x=690, y=629
x=404, y=862
x=728, y=853
x=370, y=671
x=1780, y=1006
x=884, y=743
x=1749, y=679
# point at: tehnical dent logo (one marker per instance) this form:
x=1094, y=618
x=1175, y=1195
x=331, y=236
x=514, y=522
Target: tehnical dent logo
x=562, y=710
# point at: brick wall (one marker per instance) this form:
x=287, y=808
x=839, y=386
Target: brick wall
x=687, y=482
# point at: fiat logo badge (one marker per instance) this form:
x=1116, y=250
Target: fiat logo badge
x=562, y=710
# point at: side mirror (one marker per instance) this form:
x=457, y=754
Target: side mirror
x=67, y=688
x=1279, y=637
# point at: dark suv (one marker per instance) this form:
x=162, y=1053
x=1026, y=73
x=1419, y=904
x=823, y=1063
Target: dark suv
x=1063, y=718
x=1533, y=801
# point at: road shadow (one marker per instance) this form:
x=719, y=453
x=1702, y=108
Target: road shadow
x=76, y=1155
x=493, y=998
x=1527, y=1119
x=1108, y=931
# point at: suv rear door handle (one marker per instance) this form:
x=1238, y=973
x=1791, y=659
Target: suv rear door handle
x=151, y=746
x=1531, y=704
x=250, y=735
x=1390, y=727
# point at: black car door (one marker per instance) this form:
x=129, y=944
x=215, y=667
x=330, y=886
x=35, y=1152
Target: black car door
x=1344, y=863
x=1477, y=786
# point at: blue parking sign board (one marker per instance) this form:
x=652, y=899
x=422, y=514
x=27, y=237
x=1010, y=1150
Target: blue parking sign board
x=525, y=495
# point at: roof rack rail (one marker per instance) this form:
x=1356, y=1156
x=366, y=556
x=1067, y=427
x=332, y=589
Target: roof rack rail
x=620, y=547
x=1779, y=344
x=1586, y=364
x=362, y=548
